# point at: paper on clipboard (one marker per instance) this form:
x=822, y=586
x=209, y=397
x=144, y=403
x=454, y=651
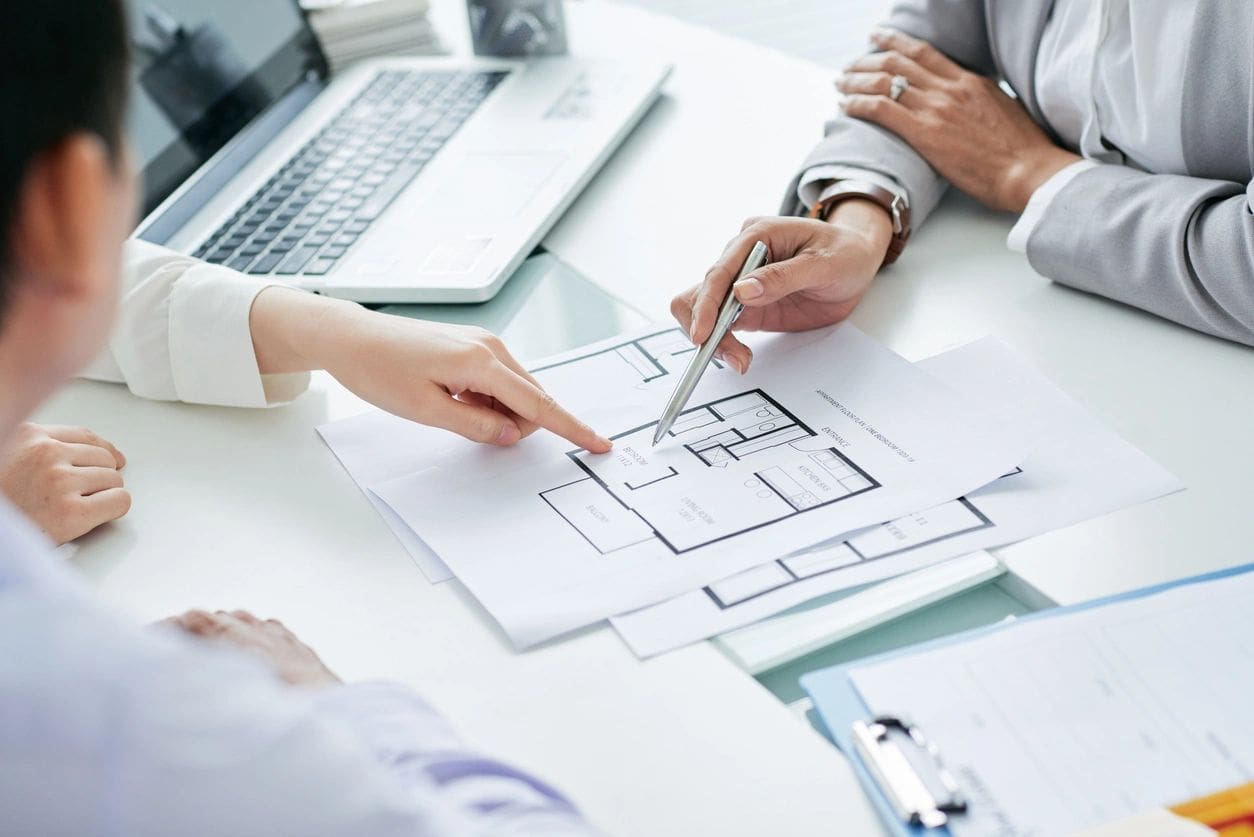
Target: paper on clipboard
x=1072, y=719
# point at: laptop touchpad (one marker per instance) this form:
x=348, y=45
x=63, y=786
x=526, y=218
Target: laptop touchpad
x=484, y=187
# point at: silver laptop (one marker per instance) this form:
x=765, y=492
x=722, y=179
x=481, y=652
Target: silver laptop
x=402, y=180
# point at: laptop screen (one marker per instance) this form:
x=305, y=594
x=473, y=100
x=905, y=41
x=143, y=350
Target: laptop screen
x=201, y=72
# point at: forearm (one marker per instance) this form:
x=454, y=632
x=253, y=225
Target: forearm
x=183, y=333
x=957, y=28
x=1179, y=247
x=295, y=331
x=253, y=756
x=854, y=144
x=421, y=750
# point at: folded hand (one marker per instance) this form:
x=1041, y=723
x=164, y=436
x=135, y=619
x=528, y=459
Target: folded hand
x=975, y=135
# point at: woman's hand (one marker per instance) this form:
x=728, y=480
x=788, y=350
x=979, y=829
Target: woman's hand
x=66, y=479
x=977, y=137
x=818, y=272
x=455, y=377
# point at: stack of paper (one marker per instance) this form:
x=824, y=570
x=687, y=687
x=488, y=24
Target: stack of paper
x=771, y=489
x=350, y=30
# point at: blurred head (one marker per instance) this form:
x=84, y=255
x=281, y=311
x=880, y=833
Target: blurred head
x=67, y=192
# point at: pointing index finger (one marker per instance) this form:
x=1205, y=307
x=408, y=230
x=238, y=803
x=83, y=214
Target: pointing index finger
x=535, y=405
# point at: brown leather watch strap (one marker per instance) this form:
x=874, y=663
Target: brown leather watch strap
x=894, y=204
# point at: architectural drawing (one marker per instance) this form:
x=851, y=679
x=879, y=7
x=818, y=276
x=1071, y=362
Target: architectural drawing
x=636, y=362
x=920, y=529
x=728, y=467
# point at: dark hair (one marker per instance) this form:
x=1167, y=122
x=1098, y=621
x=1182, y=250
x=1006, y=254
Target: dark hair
x=63, y=66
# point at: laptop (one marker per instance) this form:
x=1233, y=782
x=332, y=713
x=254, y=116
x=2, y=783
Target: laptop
x=401, y=180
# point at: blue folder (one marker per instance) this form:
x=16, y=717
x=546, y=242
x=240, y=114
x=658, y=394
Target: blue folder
x=838, y=704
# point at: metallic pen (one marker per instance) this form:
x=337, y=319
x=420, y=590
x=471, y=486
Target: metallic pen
x=727, y=315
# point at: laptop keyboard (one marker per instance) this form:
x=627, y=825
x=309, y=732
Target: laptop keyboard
x=306, y=217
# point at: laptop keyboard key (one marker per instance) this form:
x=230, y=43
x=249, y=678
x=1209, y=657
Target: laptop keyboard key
x=387, y=192
x=266, y=263
x=296, y=260
x=319, y=267
x=240, y=263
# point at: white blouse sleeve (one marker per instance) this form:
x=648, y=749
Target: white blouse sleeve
x=182, y=334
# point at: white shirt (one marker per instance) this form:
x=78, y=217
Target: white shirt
x=108, y=728
x=182, y=334
x=1109, y=81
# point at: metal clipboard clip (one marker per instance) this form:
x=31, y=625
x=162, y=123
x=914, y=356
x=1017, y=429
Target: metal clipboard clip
x=908, y=769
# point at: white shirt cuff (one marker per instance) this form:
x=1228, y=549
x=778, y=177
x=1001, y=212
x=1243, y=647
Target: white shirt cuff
x=1039, y=203
x=211, y=347
x=815, y=179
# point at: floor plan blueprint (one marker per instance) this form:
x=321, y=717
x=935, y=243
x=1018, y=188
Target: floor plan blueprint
x=950, y=520
x=826, y=434
x=1078, y=469
x=637, y=362
x=729, y=466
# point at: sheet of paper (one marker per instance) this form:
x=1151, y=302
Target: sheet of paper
x=1078, y=470
x=375, y=447
x=829, y=432
x=1068, y=722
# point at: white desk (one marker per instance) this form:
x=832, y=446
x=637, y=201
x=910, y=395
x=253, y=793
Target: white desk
x=248, y=509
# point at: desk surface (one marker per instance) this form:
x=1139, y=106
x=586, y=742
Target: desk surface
x=248, y=509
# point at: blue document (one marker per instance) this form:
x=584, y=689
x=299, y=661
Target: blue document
x=1123, y=703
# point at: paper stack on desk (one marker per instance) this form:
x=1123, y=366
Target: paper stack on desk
x=828, y=434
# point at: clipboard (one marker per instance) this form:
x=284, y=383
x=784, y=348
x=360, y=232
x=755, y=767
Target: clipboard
x=902, y=773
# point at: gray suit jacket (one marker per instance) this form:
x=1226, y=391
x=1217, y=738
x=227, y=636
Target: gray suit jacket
x=1180, y=247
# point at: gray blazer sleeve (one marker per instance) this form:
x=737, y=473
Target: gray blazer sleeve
x=1180, y=247
x=958, y=29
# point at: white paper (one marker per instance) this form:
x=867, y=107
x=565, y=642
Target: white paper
x=375, y=447
x=1079, y=470
x=1068, y=722
x=829, y=432
x=1157, y=823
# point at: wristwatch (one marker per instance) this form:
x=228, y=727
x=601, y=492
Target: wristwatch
x=894, y=204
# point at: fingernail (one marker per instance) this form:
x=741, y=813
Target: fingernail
x=749, y=289
x=604, y=442
x=839, y=80
x=509, y=434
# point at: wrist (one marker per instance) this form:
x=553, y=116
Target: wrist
x=866, y=220
x=295, y=331
x=1026, y=176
